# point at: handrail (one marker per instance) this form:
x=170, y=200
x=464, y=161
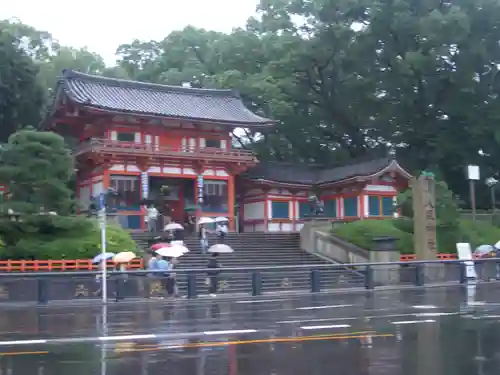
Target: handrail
x=249, y=269
x=106, y=144
x=136, y=264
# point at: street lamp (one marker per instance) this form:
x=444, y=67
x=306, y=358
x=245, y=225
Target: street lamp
x=103, y=197
x=492, y=182
x=473, y=176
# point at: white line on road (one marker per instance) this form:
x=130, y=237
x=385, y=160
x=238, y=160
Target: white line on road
x=230, y=332
x=127, y=337
x=425, y=307
x=321, y=307
x=429, y=314
x=327, y=327
x=262, y=301
x=413, y=321
x=23, y=342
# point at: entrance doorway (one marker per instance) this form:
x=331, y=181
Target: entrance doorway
x=171, y=197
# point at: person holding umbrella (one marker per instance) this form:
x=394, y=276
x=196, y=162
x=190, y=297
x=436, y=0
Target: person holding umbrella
x=121, y=259
x=221, y=228
x=101, y=260
x=213, y=266
x=203, y=233
x=213, y=275
x=170, y=253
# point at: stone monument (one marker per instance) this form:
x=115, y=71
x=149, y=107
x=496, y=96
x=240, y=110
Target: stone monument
x=424, y=221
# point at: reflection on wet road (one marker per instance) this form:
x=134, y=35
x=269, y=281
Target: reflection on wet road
x=433, y=331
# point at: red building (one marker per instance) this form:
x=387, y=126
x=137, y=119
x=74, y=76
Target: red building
x=173, y=145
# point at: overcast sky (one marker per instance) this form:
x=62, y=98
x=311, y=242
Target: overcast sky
x=102, y=25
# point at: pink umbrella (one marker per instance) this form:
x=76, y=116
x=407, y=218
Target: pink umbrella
x=159, y=245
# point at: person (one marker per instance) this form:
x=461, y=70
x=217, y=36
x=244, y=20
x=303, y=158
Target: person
x=202, y=233
x=171, y=279
x=121, y=280
x=213, y=275
x=164, y=267
x=153, y=262
x=221, y=231
x=153, y=266
x=170, y=236
x=152, y=217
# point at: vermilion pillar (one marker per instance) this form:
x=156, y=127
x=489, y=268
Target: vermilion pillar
x=230, y=202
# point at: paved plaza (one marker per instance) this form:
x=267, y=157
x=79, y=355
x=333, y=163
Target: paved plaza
x=431, y=331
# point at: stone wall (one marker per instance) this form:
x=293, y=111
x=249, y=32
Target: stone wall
x=316, y=239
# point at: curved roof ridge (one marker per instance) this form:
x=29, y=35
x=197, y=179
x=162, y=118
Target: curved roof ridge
x=69, y=74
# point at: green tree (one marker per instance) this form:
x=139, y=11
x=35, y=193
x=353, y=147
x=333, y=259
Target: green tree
x=37, y=167
x=21, y=97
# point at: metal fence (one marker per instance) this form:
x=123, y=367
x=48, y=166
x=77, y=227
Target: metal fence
x=64, y=286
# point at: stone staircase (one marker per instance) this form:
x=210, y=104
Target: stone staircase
x=258, y=249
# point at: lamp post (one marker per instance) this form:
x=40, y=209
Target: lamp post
x=102, y=223
x=473, y=176
x=492, y=182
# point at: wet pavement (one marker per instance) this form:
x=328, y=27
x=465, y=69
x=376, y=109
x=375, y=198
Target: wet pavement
x=433, y=331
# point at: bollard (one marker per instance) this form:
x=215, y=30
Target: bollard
x=419, y=275
x=463, y=273
x=191, y=285
x=42, y=289
x=256, y=283
x=315, y=281
x=369, y=281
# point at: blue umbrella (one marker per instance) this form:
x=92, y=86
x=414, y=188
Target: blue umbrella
x=100, y=257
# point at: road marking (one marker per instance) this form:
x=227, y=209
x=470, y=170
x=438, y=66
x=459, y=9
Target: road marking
x=342, y=319
x=230, y=332
x=413, y=321
x=127, y=337
x=23, y=342
x=7, y=354
x=263, y=301
x=321, y=307
x=327, y=327
x=262, y=341
x=434, y=314
x=425, y=307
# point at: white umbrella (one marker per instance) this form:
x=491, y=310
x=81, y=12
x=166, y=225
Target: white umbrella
x=170, y=252
x=497, y=245
x=221, y=219
x=183, y=249
x=221, y=249
x=206, y=220
x=173, y=226
x=176, y=242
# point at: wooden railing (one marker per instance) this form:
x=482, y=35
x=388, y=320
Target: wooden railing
x=59, y=265
x=410, y=257
x=141, y=149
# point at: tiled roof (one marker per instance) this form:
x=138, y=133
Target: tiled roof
x=314, y=175
x=223, y=106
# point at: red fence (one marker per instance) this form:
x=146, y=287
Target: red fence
x=59, y=265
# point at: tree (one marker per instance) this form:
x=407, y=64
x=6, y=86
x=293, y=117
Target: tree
x=37, y=167
x=37, y=218
x=21, y=97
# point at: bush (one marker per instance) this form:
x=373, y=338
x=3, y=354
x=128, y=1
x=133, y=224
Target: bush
x=57, y=237
x=362, y=232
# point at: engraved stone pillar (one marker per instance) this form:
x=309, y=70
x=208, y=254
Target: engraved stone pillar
x=424, y=218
